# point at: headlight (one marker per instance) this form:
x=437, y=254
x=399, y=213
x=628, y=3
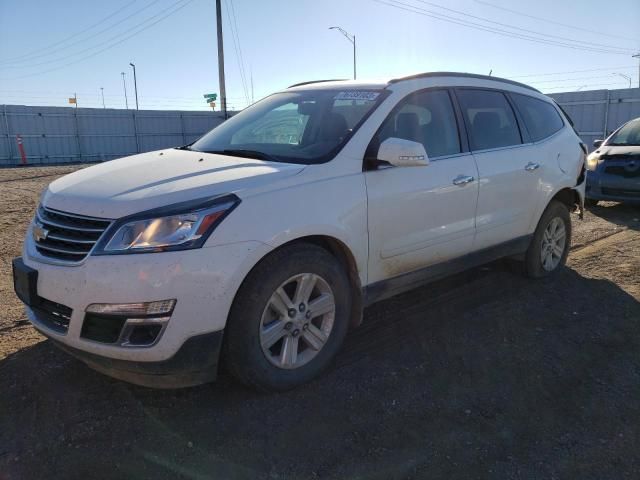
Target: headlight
x=155, y=232
x=592, y=162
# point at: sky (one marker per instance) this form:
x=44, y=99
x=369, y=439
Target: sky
x=51, y=50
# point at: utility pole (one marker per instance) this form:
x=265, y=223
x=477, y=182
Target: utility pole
x=352, y=39
x=124, y=85
x=102, y=93
x=637, y=55
x=223, y=90
x=135, y=83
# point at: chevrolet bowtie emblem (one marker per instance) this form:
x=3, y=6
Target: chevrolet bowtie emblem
x=39, y=232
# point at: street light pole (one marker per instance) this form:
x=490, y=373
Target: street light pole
x=352, y=39
x=102, y=93
x=223, y=90
x=124, y=86
x=626, y=77
x=637, y=55
x=135, y=83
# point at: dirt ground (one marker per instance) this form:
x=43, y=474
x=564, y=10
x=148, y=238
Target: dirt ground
x=483, y=375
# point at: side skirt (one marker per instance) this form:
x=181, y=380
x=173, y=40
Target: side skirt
x=408, y=281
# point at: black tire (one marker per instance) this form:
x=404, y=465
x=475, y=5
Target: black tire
x=243, y=354
x=533, y=266
x=590, y=202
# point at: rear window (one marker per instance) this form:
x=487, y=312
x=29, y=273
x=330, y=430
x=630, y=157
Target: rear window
x=541, y=118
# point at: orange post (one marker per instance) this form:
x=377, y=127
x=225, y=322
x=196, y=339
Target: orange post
x=23, y=156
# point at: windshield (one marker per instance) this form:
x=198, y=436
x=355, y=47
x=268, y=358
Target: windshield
x=297, y=127
x=629, y=134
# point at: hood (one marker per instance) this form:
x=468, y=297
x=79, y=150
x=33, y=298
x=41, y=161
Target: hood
x=141, y=182
x=631, y=150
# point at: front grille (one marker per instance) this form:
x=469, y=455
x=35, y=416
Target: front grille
x=53, y=315
x=64, y=236
x=620, y=157
x=623, y=171
x=618, y=192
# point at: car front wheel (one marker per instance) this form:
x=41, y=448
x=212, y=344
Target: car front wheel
x=289, y=318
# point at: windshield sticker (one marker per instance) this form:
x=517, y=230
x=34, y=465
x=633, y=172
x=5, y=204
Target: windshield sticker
x=357, y=95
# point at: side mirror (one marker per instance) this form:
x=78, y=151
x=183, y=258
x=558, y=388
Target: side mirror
x=403, y=153
x=597, y=143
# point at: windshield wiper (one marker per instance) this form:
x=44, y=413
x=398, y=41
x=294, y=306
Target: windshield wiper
x=184, y=147
x=244, y=153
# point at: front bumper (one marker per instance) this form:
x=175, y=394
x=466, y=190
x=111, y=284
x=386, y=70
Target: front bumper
x=195, y=363
x=203, y=282
x=612, y=187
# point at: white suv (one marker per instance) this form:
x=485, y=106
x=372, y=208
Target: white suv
x=261, y=243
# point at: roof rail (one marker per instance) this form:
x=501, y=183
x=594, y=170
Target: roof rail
x=318, y=81
x=466, y=75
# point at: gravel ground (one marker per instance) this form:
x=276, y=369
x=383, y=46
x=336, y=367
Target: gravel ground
x=482, y=375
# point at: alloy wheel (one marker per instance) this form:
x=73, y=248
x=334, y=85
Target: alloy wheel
x=553, y=244
x=297, y=321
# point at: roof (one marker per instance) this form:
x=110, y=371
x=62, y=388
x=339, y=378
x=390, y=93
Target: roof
x=383, y=84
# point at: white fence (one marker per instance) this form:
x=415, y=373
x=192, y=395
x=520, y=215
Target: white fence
x=597, y=113
x=58, y=135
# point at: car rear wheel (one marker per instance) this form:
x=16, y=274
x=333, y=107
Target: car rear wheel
x=289, y=318
x=549, y=247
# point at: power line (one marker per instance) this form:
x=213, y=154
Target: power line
x=49, y=47
x=56, y=60
x=560, y=80
x=38, y=95
x=236, y=42
x=568, y=88
x=476, y=26
x=244, y=72
x=82, y=40
x=588, y=30
x=483, y=19
x=573, y=71
x=186, y=2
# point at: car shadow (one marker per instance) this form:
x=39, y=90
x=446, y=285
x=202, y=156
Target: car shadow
x=484, y=374
x=621, y=214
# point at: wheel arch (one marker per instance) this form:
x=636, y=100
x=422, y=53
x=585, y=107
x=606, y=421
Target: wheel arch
x=343, y=254
x=568, y=196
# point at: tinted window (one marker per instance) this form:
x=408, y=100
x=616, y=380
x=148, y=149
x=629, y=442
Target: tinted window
x=490, y=118
x=541, y=118
x=425, y=117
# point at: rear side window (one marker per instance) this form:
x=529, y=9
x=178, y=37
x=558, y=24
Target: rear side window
x=426, y=117
x=541, y=118
x=491, y=120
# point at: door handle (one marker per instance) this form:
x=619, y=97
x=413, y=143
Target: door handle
x=531, y=166
x=462, y=180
